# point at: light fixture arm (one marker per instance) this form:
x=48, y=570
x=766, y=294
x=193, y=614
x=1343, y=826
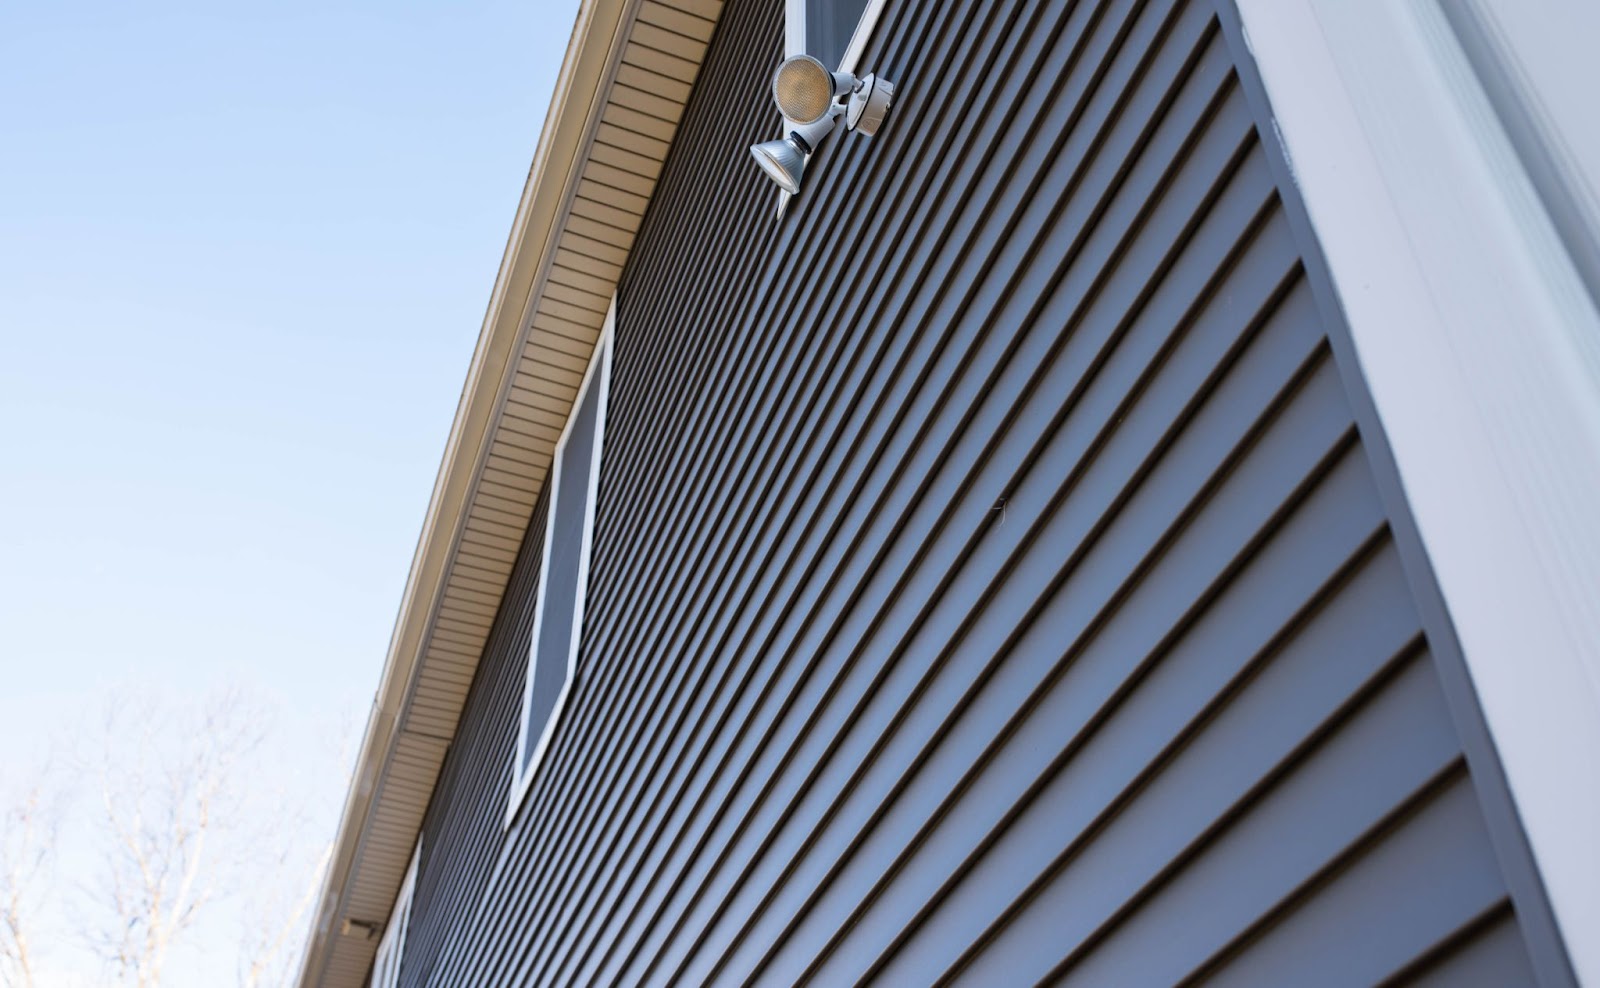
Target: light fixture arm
x=811, y=134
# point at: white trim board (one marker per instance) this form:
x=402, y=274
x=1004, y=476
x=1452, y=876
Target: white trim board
x=1469, y=321
x=597, y=374
x=546, y=309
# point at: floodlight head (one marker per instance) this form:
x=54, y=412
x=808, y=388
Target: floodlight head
x=784, y=160
x=805, y=90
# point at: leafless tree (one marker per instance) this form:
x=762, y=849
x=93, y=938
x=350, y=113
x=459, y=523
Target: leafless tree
x=293, y=850
x=168, y=791
x=270, y=951
x=27, y=845
x=188, y=806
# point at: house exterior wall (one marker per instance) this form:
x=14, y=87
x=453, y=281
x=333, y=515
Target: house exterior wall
x=991, y=582
x=1439, y=151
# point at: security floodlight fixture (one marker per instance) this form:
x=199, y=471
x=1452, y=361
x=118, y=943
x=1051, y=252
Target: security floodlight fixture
x=808, y=94
x=784, y=160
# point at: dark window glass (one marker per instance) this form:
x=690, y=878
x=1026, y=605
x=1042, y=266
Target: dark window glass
x=560, y=591
x=829, y=25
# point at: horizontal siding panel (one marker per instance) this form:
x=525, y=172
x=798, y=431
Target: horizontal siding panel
x=672, y=42
x=518, y=507
x=510, y=496
x=587, y=263
x=678, y=20
x=549, y=383
x=602, y=212
x=492, y=532
x=626, y=201
x=624, y=160
x=470, y=627
x=632, y=115
x=657, y=60
x=469, y=563
x=1012, y=603
x=562, y=334
x=487, y=551
x=512, y=465
x=601, y=232
x=571, y=295
x=533, y=369
x=455, y=599
x=462, y=636
x=1489, y=952
x=625, y=137
x=526, y=406
x=518, y=460
x=589, y=319
x=440, y=687
x=443, y=651
x=708, y=9
x=442, y=727
x=515, y=442
x=480, y=532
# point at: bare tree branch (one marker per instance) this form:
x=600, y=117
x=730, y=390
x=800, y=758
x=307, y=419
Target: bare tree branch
x=166, y=791
x=181, y=821
x=27, y=849
x=270, y=955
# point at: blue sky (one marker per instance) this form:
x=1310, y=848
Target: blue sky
x=245, y=250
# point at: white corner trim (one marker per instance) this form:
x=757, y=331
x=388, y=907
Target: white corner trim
x=1466, y=316
x=794, y=28
x=597, y=374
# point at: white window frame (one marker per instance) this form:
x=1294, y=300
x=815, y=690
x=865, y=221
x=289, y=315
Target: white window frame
x=794, y=43
x=597, y=374
x=386, y=964
x=794, y=32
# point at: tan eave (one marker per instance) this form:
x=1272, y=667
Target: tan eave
x=623, y=85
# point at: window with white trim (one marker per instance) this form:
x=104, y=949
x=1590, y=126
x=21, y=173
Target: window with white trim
x=832, y=31
x=572, y=486
x=386, y=966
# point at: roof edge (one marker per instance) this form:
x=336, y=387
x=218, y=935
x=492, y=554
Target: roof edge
x=576, y=102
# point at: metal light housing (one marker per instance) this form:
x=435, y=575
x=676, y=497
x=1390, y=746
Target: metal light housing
x=784, y=160
x=869, y=104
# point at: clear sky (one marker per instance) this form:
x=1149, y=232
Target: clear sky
x=245, y=251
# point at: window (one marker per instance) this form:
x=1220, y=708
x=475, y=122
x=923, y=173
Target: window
x=833, y=31
x=572, y=485
x=386, y=967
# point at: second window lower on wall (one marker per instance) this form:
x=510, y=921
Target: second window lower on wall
x=572, y=487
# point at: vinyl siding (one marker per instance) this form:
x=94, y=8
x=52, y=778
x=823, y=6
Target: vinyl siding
x=990, y=583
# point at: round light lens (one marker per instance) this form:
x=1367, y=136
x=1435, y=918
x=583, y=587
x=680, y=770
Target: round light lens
x=782, y=162
x=803, y=89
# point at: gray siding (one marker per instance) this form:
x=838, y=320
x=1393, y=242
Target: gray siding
x=1015, y=603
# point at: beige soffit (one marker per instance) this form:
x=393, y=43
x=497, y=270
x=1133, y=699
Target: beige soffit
x=623, y=85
